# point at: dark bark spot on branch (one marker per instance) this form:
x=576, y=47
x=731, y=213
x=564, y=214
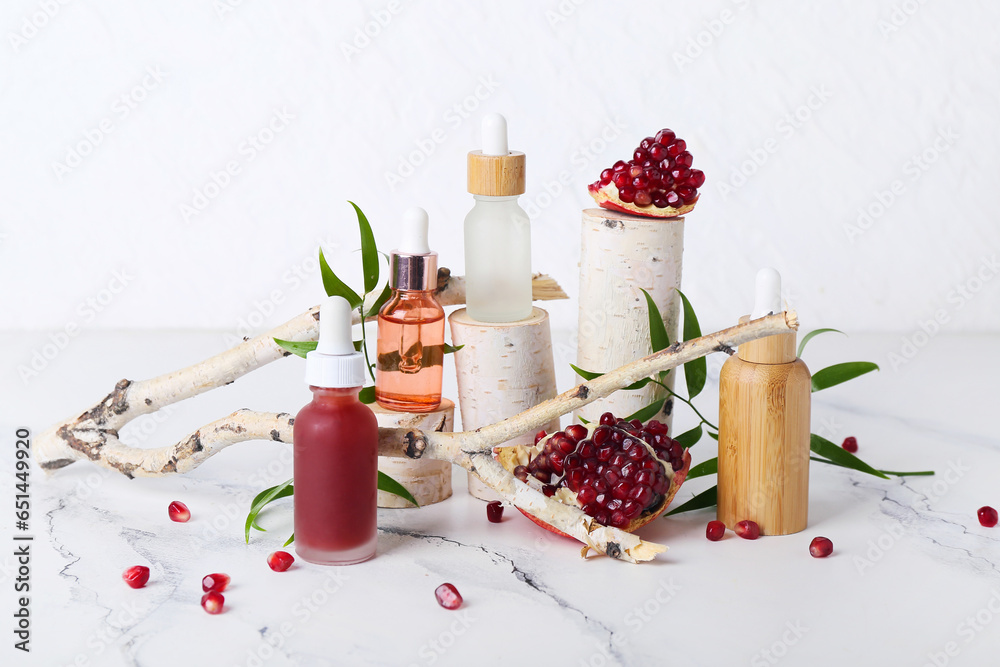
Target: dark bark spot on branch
x=582, y=391
x=56, y=464
x=286, y=353
x=316, y=314
x=613, y=550
x=444, y=275
x=171, y=466
x=614, y=224
x=92, y=450
x=149, y=401
x=229, y=427
x=668, y=406
x=291, y=421
x=414, y=444
x=114, y=403
x=722, y=347
x=275, y=435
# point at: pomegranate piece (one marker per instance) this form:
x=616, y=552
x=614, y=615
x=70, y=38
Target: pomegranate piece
x=280, y=561
x=212, y=601
x=494, y=511
x=748, y=530
x=621, y=473
x=448, y=596
x=658, y=181
x=820, y=547
x=850, y=444
x=136, y=576
x=987, y=516
x=179, y=512
x=215, y=582
x=715, y=530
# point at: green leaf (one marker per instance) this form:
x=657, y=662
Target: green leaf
x=367, y=395
x=840, y=456
x=296, y=347
x=658, y=337
x=709, y=467
x=380, y=301
x=834, y=375
x=689, y=438
x=388, y=484
x=915, y=473
x=369, y=251
x=451, y=349
x=289, y=540
x=713, y=436
x=648, y=412
x=696, y=370
x=809, y=336
x=261, y=500
x=582, y=420
x=590, y=375
x=707, y=498
x=334, y=286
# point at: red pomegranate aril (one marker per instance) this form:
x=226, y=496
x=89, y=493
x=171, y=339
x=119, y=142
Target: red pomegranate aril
x=577, y=432
x=696, y=178
x=136, y=576
x=715, y=530
x=621, y=165
x=636, y=424
x=543, y=476
x=640, y=156
x=635, y=170
x=676, y=147
x=629, y=470
x=618, y=519
x=621, y=490
x=641, y=494
x=677, y=464
x=627, y=194
x=215, y=582
x=538, y=436
x=279, y=561
x=748, y=530
x=448, y=596
x=614, y=504
x=820, y=547
x=632, y=509
x=606, y=176
x=607, y=419
x=586, y=495
x=987, y=516
x=179, y=512
x=603, y=517
x=646, y=143
x=660, y=201
x=549, y=490
x=604, y=454
x=587, y=449
x=665, y=137
x=612, y=475
x=684, y=159
x=687, y=194
x=643, y=198
x=212, y=601
x=658, y=152
x=640, y=182
x=646, y=477
x=521, y=472
x=494, y=511
x=850, y=444
x=621, y=179
x=601, y=435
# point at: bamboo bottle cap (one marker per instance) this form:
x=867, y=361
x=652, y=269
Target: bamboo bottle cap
x=495, y=171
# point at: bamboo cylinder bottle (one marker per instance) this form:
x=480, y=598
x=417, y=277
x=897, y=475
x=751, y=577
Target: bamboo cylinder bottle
x=764, y=406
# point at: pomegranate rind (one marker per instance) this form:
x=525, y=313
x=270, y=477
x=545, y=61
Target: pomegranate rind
x=606, y=196
x=511, y=457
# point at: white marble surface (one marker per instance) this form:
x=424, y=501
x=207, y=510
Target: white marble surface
x=911, y=571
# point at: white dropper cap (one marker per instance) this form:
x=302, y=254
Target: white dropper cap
x=495, y=135
x=768, y=293
x=414, y=232
x=335, y=363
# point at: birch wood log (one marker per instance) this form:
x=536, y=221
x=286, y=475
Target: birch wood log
x=471, y=450
x=503, y=369
x=620, y=254
x=428, y=480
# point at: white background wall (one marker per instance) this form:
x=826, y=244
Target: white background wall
x=874, y=85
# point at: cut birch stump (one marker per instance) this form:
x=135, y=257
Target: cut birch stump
x=503, y=369
x=429, y=481
x=621, y=254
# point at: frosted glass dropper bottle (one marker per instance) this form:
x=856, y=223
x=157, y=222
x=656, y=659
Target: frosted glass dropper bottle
x=497, y=231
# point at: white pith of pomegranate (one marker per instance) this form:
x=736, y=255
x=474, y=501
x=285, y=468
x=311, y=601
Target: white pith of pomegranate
x=623, y=474
x=658, y=182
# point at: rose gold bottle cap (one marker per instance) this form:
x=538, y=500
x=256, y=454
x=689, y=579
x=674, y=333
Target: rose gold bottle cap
x=413, y=266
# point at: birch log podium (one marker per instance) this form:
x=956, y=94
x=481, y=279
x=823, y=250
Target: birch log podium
x=429, y=481
x=503, y=369
x=621, y=254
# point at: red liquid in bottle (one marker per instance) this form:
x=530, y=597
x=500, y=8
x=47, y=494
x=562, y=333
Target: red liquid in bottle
x=336, y=477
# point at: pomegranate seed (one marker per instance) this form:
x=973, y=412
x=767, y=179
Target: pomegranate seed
x=212, y=601
x=684, y=159
x=548, y=490
x=627, y=194
x=603, y=517
x=820, y=547
x=987, y=516
x=850, y=444
x=448, y=596
x=619, y=520
x=136, y=576
x=646, y=143
x=538, y=436
x=576, y=431
x=640, y=156
x=643, y=198
x=280, y=561
x=676, y=148
x=619, y=166
x=748, y=530
x=715, y=530
x=632, y=509
x=641, y=182
x=697, y=178
x=621, y=179
x=494, y=511
x=634, y=170
x=179, y=512
x=607, y=419
x=215, y=582
x=606, y=176
x=665, y=137
x=586, y=495
x=521, y=472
